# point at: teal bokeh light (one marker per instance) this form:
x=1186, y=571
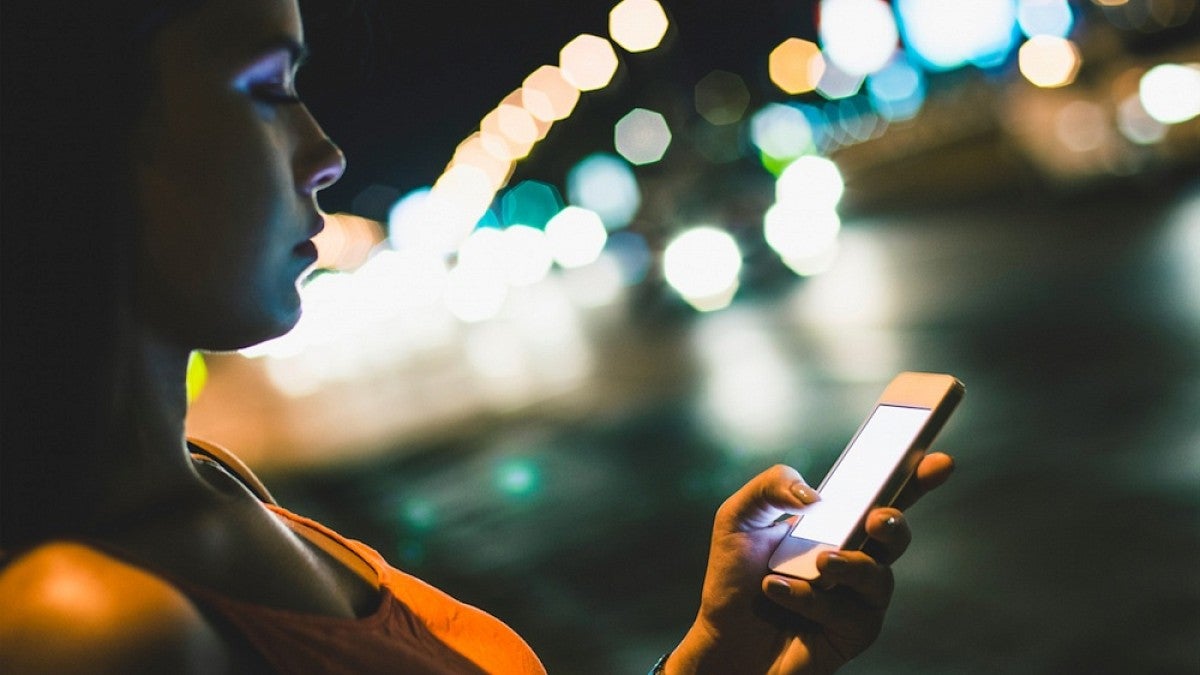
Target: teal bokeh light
x=518, y=478
x=531, y=203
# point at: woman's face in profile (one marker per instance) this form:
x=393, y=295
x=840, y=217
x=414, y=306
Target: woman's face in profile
x=227, y=162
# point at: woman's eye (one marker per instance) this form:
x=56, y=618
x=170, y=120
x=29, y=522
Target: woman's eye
x=275, y=93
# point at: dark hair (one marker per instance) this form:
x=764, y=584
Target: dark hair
x=75, y=76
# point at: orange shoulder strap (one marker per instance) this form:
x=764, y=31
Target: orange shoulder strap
x=233, y=465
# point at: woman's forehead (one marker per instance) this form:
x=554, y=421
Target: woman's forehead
x=234, y=29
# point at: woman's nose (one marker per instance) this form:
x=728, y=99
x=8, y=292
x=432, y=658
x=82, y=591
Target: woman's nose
x=327, y=170
x=319, y=163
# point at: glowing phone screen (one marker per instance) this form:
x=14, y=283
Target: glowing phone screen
x=856, y=479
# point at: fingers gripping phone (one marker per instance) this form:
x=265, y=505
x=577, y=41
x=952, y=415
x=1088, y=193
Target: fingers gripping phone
x=871, y=472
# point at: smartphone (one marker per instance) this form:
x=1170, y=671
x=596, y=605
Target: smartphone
x=871, y=472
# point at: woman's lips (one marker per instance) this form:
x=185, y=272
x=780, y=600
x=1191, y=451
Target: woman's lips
x=307, y=249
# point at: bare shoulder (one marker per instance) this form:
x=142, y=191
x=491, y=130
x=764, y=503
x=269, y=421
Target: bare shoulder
x=68, y=608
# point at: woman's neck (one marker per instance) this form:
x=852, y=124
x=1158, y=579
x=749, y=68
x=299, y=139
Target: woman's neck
x=149, y=464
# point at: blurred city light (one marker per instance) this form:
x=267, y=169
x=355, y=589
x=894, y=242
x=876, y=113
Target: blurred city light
x=1170, y=92
x=1083, y=126
x=632, y=254
x=347, y=241
x=703, y=265
x=1049, y=61
x=588, y=62
x=637, y=25
x=721, y=97
x=547, y=94
x=605, y=184
x=642, y=136
x=781, y=132
x=810, y=182
x=796, y=65
x=1136, y=124
x=804, y=237
x=576, y=236
x=530, y=202
x=947, y=34
x=898, y=89
x=1045, y=17
x=857, y=35
x=525, y=256
x=836, y=83
x=750, y=394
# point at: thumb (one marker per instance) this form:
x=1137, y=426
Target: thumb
x=766, y=498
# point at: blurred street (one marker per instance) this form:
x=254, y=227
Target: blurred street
x=1066, y=542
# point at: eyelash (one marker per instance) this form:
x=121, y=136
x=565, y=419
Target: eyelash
x=275, y=94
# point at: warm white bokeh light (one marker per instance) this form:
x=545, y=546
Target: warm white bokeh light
x=858, y=35
x=637, y=25
x=1049, y=61
x=799, y=234
x=1170, y=92
x=588, y=62
x=526, y=255
x=811, y=182
x=547, y=94
x=703, y=263
x=576, y=236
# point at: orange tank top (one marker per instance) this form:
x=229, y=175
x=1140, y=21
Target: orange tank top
x=416, y=628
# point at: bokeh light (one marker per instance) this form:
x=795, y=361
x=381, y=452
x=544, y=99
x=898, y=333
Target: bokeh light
x=547, y=94
x=897, y=90
x=576, y=236
x=642, y=136
x=588, y=62
x=637, y=25
x=1049, y=61
x=858, y=35
x=347, y=241
x=1082, y=126
x=836, y=83
x=804, y=237
x=632, y=255
x=1045, y=17
x=781, y=132
x=810, y=182
x=947, y=34
x=605, y=184
x=721, y=97
x=703, y=264
x=525, y=255
x=796, y=65
x=1170, y=92
x=531, y=203
x=1136, y=124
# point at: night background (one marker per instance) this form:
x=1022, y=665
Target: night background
x=557, y=459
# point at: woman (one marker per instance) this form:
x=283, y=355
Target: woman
x=160, y=176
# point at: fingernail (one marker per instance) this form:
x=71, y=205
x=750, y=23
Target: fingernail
x=804, y=493
x=834, y=559
x=779, y=587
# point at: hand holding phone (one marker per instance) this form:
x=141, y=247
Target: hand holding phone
x=871, y=472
